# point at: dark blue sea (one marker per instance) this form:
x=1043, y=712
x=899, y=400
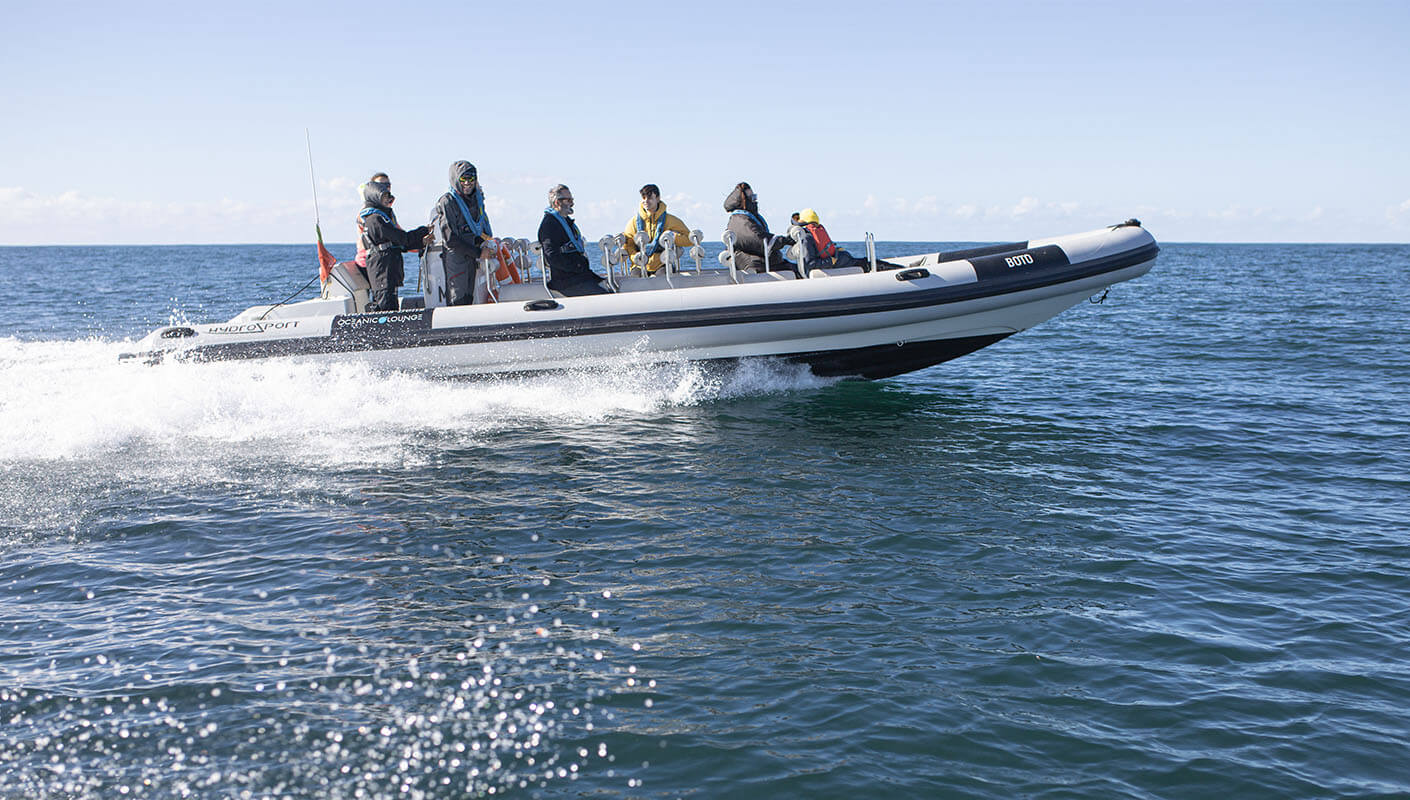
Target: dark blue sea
x=1154, y=548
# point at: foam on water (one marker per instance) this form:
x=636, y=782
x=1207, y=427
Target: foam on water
x=89, y=427
x=75, y=400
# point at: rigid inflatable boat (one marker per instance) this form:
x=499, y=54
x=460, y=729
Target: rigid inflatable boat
x=875, y=321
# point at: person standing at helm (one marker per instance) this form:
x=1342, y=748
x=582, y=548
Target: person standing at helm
x=652, y=218
x=752, y=233
x=361, y=259
x=385, y=241
x=564, y=251
x=463, y=227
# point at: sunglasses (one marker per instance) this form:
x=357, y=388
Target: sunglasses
x=467, y=179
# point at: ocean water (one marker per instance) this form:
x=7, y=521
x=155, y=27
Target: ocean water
x=1154, y=548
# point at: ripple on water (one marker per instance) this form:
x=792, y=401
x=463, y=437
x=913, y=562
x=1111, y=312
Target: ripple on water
x=1151, y=549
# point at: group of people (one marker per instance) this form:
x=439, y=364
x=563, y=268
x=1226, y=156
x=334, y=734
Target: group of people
x=460, y=225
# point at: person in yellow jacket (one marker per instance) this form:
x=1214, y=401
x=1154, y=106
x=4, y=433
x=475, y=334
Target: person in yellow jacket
x=652, y=218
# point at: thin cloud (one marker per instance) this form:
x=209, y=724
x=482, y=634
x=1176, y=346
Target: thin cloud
x=1399, y=214
x=98, y=218
x=1025, y=206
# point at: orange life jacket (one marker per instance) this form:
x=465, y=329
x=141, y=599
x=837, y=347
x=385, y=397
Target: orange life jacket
x=822, y=243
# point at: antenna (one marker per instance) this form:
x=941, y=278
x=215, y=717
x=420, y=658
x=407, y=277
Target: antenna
x=314, y=183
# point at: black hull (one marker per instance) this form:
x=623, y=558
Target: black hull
x=890, y=360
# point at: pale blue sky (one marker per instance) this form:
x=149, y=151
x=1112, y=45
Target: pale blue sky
x=143, y=122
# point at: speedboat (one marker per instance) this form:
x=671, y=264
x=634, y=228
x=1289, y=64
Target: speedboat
x=877, y=320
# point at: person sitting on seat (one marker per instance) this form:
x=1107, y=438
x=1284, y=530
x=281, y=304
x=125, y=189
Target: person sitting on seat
x=384, y=241
x=564, y=251
x=652, y=218
x=752, y=233
x=817, y=250
x=460, y=220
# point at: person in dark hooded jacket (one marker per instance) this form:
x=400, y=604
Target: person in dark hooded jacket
x=385, y=241
x=752, y=233
x=460, y=220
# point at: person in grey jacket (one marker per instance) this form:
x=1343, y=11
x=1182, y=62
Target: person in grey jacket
x=752, y=233
x=463, y=227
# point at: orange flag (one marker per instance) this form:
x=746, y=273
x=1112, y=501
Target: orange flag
x=325, y=258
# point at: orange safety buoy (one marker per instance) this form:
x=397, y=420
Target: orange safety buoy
x=508, y=271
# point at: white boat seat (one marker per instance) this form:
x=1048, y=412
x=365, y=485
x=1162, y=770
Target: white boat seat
x=701, y=279
x=512, y=292
x=826, y=273
x=765, y=277
x=641, y=284
x=346, y=281
x=678, y=281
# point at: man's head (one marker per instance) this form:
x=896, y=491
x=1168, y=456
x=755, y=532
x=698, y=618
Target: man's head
x=651, y=197
x=560, y=199
x=748, y=195
x=808, y=215
x=464, y=177
x=380, y=177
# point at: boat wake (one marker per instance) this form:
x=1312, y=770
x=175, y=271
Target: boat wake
x=73, y=400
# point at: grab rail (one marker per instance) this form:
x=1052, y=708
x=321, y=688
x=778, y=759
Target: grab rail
x=605, y=243
x=727, y=255
x=668, y=255
x=697, y=251
x=537, y=249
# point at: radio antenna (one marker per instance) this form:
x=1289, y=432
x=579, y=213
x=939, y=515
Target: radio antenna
x=308, y=141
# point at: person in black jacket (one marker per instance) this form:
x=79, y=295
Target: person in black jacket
x=752, y=233
x=564, y=250
x=385, y=241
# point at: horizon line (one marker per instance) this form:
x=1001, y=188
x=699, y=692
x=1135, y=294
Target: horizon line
x=312, y=243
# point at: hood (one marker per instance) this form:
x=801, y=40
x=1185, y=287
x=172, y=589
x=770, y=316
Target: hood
x=374, y=194
x=647, y=215
x=738, y=201
x=735, y=200
x=458, y=169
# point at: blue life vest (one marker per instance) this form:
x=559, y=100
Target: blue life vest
x=641, y=225
x=481, y=228
x=575, y=239
x=390, y=220
x=754, y=217
x=369, y=211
